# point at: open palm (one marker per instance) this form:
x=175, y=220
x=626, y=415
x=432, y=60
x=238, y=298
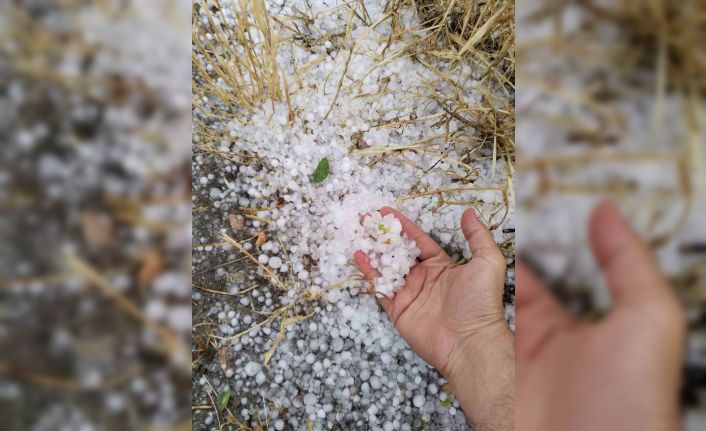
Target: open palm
x=621, y=373
x=443, y=305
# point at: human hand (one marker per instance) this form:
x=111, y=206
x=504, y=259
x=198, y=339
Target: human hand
x=453, y=317
x=622, y=373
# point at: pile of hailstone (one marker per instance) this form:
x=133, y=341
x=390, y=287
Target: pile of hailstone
x=391, y=255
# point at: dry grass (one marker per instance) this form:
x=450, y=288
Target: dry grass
x=627, y=50
x=481, y=30
x=630, y=48
x=480, y=34
x=483, y=34
x=238, y=64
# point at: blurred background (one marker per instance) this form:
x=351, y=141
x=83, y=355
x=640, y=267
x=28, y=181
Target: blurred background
x=610, y=103
x=95, y=311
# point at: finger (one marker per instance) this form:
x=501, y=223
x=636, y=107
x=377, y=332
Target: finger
x=363, y=261
x=480, y=240
x=632, y=274
x=538, y=313
x=427, y=246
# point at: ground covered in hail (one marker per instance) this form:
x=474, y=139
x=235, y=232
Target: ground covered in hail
x=308, y=118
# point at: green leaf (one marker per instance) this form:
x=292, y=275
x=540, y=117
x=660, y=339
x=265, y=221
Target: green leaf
x=321, y=171
x=223, y=397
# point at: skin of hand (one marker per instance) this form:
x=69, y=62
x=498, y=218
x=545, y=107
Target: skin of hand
x=622, y=373
x=453, y=317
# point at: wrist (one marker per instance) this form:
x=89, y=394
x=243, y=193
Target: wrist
x=481, y=374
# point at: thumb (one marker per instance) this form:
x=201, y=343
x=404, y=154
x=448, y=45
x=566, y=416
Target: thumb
x=480, y=240
x=631, y=272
